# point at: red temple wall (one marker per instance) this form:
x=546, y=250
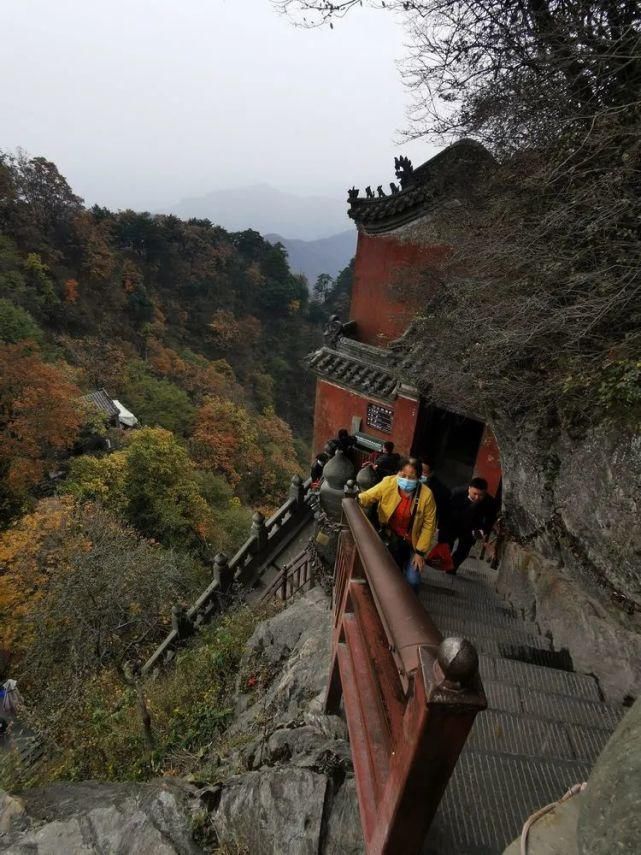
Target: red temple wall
x=381, y=262
x=335, y=408
x=488, y=461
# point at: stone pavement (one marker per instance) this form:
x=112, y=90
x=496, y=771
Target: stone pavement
x=542, y=732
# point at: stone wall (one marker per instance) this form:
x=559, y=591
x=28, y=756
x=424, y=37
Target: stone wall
x=573, y=506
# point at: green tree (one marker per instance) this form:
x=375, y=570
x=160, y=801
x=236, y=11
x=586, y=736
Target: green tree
x=323, y=286
x=163, y=499
x=16, y=324
x=157, y=402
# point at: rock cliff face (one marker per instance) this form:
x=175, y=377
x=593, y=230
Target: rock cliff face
x=293, y=791
x=148, y=819
x=282, y=785
x=575, y=508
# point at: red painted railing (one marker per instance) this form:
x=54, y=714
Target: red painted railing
x=409, y=697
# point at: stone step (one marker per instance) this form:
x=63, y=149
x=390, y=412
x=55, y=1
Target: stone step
x=548, y=706
x=490, y=796
x=511, y=635
x=545, y=705
x=501, y=616
x=462, y=590
x=535, y=677
x=502, y=732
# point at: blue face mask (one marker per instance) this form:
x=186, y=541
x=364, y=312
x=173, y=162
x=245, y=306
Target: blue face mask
x=423, y=479
x=407, y=484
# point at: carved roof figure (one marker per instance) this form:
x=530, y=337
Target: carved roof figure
x=332, y=331
x=452, y=173
x=403, y=169
x=352, y=193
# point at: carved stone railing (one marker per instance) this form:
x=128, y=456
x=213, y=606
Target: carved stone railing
x=266, y=539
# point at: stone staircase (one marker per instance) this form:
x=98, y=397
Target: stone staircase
x=543, y=730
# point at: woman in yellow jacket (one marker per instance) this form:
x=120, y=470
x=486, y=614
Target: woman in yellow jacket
x=407, y=514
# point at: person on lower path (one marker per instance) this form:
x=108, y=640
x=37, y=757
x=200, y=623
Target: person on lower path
x=407, y=516
x=472, y=515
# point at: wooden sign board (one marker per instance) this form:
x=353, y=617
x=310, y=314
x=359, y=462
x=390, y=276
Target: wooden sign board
x=380, y=418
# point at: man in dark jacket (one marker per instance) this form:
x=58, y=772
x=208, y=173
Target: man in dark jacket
x=346, y=443
x=442, y=497
x=472, y=515
x=388, y=462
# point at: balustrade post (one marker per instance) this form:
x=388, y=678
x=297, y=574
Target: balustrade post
x=222, y=572
x=297, y=490
x=259, y=531
x=181, y=622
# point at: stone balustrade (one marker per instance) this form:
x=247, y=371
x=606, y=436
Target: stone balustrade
x=267, y=537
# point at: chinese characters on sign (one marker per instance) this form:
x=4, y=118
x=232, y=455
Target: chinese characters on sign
x=379, y=417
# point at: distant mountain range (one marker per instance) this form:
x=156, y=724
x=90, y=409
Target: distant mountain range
x=268, y=211
x=325, y=255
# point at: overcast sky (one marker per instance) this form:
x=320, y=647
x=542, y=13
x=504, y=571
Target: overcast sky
x=143, y=102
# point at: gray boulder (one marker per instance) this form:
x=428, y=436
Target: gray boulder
x=88, y=818
x=275, y=810
x=293, y=647
x=610, y=818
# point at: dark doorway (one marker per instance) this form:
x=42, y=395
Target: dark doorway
x=450, y=440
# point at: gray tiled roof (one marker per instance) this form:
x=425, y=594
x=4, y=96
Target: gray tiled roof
x=101, y=400
x=346, y=369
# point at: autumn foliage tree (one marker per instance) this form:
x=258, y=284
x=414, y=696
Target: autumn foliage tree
x=81, y=590
x=40, y=414
x=225, y=439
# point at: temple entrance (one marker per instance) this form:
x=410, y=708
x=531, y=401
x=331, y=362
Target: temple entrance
x=452, y=441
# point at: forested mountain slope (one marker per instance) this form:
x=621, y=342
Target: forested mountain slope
x=201, y=333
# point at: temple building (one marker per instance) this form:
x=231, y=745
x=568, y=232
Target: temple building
x=361, y=384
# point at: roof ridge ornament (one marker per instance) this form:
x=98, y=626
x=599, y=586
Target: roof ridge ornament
x=403, y=170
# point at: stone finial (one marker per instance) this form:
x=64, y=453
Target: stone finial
x=180, y=622
x=258, y=522
x=297, y=490
x=258, y=530
x=350, y=489
x=458, y=661
x=222, y=571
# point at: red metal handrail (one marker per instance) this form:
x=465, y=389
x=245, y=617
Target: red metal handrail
x=409, y=698
x=298, y=575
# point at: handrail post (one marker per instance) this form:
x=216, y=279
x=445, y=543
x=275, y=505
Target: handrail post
x=259, y=531
x=445, y=699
